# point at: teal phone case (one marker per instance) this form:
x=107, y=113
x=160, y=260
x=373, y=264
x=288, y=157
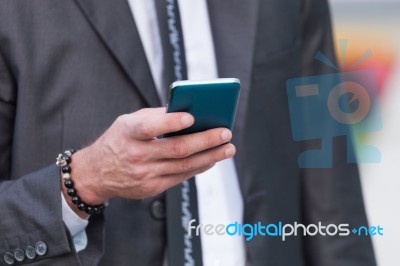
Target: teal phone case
x=213, y=103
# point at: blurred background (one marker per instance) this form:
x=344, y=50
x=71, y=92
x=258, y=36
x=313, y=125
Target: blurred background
x=375, y=25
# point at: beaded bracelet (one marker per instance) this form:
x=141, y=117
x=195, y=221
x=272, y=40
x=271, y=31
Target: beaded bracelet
x=63, y=161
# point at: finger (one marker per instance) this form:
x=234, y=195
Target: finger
x=196, y=161
x=169, y=181
x=159, y=184
x=187, y=145
x=152, y=111
x=146, y=124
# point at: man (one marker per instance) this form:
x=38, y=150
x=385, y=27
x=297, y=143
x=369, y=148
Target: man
x=70, y=70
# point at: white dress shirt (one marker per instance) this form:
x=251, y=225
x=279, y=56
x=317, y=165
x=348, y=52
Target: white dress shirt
x=219, y=196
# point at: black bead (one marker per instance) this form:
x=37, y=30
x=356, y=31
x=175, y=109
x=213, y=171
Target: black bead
x=89, y=209
x=67, y=158
x=76, y=200
x=71, y=192
x=95, y=209
x=82, y=206
x=68, y=183
x=66, y=169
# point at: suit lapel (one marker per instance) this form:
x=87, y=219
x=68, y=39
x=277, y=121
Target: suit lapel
x=233, y=25
x=114, y=23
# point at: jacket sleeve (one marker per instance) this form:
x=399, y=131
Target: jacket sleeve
x=31, y=225
x=330, y=195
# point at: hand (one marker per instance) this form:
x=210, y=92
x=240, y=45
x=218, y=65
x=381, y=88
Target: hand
x=129, y=161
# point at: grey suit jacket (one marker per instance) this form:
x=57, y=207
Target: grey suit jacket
x=69, y=68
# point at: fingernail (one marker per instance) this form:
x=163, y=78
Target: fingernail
x=187, y=120
x=230, y=152
x=226, y=135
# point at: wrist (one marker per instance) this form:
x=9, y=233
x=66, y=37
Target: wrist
x=85, y=180
x=81, y=193
x=81, y=214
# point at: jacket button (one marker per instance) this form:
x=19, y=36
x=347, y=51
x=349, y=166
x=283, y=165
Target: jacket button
x=30, y=252
x=41, y=248
x=158, y=209
x=19, y=255
x=9, y=258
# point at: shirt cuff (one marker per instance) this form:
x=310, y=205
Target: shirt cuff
x=75, y=224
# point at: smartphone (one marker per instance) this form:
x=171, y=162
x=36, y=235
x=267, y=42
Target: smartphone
x=213, y=103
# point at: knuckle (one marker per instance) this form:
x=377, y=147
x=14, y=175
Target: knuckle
x=122, y=120
x=180, y=149
x=217, y=154
x=143, y=128
x=123, y=125
x=136, y=156
x=209, y=141
x=140, y=173
x=186, y=165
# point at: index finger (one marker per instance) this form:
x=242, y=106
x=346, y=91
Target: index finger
x=146, y=124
